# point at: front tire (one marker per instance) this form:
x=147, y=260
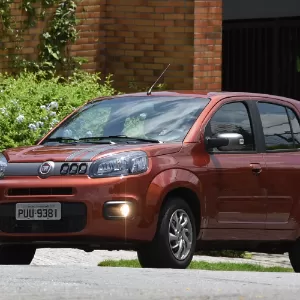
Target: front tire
x=16, y=255
x=175, y=240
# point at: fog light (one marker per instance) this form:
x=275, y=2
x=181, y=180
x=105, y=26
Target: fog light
x=125, y=210
x=118, y=210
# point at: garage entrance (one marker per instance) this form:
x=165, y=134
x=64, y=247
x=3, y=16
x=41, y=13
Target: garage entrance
x=261, y=47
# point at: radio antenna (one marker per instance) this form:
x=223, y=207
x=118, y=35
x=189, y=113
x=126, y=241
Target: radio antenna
x=161, y=75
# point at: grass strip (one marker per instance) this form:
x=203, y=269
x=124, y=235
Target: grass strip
x=202, y=265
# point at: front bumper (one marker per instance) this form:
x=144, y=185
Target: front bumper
x=82, y=200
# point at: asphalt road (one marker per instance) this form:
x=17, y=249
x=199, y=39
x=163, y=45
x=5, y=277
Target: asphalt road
x=75, y=282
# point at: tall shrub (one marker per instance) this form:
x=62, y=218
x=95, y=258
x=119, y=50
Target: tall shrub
x=31, y=105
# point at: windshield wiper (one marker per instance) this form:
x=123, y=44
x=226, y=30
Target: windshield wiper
x=125, y=137
x=61, y=139
x=68, y=140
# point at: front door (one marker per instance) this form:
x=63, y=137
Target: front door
x=235, y=182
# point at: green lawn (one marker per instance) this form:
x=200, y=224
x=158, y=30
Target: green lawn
x=201, y=265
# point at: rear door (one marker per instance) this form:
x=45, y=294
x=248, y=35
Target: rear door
x=235, y=182
x=281, y=130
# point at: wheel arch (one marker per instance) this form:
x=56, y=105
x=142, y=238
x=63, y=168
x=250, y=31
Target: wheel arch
x=191, y=198
x=175, y=182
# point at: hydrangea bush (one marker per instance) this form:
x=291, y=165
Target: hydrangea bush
x=30, y=105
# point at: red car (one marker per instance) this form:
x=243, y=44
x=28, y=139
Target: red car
x=164, y=174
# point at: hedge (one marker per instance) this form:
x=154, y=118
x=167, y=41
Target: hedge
x=30, y=104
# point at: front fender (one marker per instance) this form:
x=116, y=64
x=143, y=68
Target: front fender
x=164, y=183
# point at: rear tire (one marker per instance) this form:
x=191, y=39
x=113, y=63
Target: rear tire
x=294, y=255
x=16, y=255
x=174, y=243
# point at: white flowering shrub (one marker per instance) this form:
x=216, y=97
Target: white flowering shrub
x=31, y=105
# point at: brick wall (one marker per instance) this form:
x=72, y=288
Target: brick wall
x=28, y=41
x=208, y=45
x=89, y=45
x=142, y=37
x=136, y=39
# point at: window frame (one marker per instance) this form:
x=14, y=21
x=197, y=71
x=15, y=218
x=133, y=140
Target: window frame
x=252, y=118
x=285, y=105
x=298, y=119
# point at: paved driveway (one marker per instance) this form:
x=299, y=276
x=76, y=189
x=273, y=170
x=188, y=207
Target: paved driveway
x=77, y=282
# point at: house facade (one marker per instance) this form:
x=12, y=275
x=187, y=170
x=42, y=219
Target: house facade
x=236, y=45
x=135, y=40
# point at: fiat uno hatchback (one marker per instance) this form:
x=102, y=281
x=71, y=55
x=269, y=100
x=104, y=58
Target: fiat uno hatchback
x=164, y=174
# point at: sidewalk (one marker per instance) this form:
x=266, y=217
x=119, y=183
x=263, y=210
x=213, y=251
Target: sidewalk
x=79, y=257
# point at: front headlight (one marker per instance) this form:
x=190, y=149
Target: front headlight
x=121, y=164
x=3, y=165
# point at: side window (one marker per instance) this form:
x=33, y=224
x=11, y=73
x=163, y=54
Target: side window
x=276, y=126
x=295, y=127
x=232, y=118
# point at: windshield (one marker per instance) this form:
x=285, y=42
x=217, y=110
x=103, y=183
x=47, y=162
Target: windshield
x=163, y=118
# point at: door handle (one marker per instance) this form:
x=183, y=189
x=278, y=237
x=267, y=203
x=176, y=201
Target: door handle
x=256, y=169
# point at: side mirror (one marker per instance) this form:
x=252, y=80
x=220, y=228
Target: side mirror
x=226, y=142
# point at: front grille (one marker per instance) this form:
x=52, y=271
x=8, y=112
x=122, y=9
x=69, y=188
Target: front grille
x=40, y=191
x=73, y=219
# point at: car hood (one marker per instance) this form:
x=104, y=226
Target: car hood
x=85, y=153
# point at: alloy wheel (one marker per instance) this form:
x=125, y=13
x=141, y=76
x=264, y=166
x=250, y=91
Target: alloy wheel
x=180, y=234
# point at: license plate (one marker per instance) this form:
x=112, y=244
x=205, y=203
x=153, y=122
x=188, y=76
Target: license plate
x=38, y=211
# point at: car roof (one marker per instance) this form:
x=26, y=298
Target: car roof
x=212, y=95
x=252, y=96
